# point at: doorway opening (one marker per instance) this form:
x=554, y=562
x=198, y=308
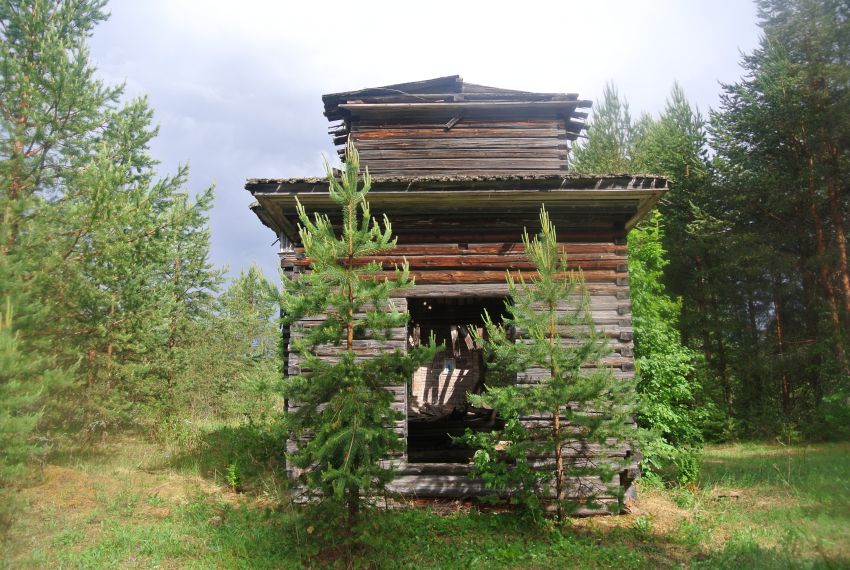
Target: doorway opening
x=437, y=409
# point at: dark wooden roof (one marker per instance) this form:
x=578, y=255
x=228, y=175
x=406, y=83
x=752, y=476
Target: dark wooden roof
x=624, y=197
x=450, y=89
x=447, y=183
x=448, y=99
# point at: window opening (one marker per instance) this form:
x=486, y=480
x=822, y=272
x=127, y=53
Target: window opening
x=437, y=408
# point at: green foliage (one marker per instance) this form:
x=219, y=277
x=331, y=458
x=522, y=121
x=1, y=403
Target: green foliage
x=24, y=385
x=232, y=476
x=664, y=364
x=781, y=214
x=608, y=148
x=834, y=418
x=674, y=146
x=502, y=459
x=105, y=262
x=551, y=315
x=344, y=406
x=234, y=373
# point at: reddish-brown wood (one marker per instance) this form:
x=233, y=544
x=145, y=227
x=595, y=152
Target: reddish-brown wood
x=488, y=276
x=474, y=261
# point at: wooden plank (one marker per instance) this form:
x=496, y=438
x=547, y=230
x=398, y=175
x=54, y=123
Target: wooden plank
x=453, y=164
x=469, y=276
x=617, y=374
x=468, y=173
x=368, y=125
x=362, y=353
x=441, y=154
x=461, y=486
x=413, y=95
x=482, y=223
x=366, y=345
x=440, y=133
x=476, y=223
x=453, y=106
x=444, y=486
x=612, y=260
x=473, y=261
x=432, y=469
x=438, y=237
x=572, y=248
x=488, y=290
x=365, y=145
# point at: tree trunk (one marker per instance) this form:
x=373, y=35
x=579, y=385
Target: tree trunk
x=110, y=345
x=820, y=248
x=353, y=505
x=823, y=268
x=701, y=309
x=556, y=415
x=172, y=335
x=16, y=188
x=708, y=309
x=780, y=339
x=841, y=242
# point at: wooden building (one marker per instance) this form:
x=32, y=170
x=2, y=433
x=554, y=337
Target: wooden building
x=461, y=170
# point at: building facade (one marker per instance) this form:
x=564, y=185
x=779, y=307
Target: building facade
x=461, y=170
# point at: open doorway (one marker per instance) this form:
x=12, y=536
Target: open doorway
x=437, y=407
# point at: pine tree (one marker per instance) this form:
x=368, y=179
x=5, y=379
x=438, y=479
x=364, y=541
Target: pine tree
x=344, y=406
x=187, y=286
x=52, y=109
x=608, y=147
x=90, y=234
x=583, y=403
x=23, y=383
x=781, y=154
x=238, y=374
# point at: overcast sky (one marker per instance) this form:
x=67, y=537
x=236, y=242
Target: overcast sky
x=237, y=86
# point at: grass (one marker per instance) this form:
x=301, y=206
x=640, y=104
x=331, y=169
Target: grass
x=793, y=508
x=129, y=503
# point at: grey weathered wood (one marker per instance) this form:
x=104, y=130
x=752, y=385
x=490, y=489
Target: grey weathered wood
x=366, y=145
x=442, y=155
x=445, y=156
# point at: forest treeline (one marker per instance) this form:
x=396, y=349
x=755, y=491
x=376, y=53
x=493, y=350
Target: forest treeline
x=113, y=316
x=750, y=244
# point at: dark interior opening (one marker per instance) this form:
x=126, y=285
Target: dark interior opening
x=438, y=409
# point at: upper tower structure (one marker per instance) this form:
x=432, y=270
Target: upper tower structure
x=446, y=127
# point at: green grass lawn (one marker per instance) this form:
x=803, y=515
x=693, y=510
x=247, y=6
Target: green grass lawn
x=133, y=504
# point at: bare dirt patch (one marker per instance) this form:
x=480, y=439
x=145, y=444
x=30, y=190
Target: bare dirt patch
x=73, y=492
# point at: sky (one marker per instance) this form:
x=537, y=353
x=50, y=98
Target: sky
x=236, y=86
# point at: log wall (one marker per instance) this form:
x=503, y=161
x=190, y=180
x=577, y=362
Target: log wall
x=470, y=147
x=364, y=347
x=455, y=269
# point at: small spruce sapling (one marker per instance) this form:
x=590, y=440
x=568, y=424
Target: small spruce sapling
x=548, y=327
x=345, y=417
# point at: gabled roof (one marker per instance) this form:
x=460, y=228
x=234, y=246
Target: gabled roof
x=449, y=89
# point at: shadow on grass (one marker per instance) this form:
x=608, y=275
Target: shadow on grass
x=745, y=553
x=246, y=456
x=278, y=534
x=417, y=538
